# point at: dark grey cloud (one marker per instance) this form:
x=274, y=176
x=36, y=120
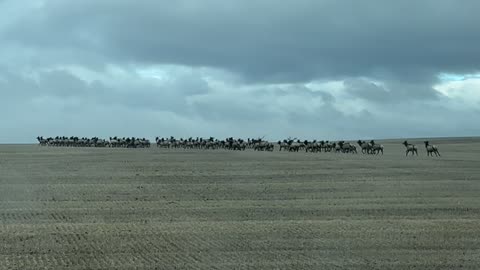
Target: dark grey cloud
x=62, y=84
x=268, y=40
x=390, y=91
x=140, y=94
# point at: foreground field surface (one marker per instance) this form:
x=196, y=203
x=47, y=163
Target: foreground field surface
x=84, y=208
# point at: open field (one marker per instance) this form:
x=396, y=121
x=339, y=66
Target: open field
x=94, y=208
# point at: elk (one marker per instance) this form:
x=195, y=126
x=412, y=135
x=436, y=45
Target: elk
x=431, y=149
x=411, y=148
x=375, y=148
x=365, y=146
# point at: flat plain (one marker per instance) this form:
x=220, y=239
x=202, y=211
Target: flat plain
x=105, y=208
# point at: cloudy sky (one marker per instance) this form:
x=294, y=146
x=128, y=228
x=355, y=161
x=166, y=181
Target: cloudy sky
x=326, y=69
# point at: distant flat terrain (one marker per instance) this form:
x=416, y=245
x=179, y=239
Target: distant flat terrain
x=102, y=208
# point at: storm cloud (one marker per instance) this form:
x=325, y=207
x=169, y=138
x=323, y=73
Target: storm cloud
x=317, y=69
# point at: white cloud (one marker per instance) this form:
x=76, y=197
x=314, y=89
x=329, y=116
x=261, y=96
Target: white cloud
x=463, y=94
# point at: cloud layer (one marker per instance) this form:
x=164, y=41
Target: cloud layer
x=316, y=69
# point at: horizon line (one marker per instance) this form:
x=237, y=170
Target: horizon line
x=379, y=139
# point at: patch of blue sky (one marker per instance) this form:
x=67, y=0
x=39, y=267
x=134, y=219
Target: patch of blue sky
x=448, y=77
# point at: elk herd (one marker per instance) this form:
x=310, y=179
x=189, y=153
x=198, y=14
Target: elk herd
x=287, y=145
x=94, y=142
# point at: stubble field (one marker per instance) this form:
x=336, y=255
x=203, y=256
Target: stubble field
x=86, y=208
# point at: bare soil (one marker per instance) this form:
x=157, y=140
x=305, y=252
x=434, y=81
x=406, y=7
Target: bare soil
x=86, y=208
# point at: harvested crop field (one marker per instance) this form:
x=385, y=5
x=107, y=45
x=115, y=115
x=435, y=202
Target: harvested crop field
x=94, y=208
